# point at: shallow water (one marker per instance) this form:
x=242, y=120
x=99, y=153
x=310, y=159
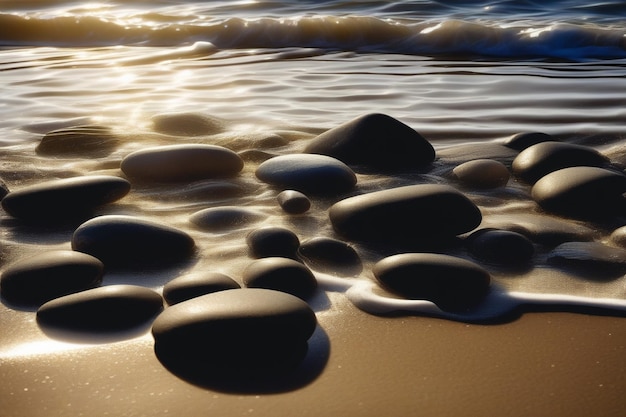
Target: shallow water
x=275, y=74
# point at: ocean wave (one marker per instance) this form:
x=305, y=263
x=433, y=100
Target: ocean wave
x=345, y=33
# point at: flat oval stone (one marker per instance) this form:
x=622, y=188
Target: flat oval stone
x=187, y=124
x=272, y=241
x=294, y=202
x=523, y=140
x=546, y=157
x=196, y=284
x=450, y=282
x=113, y=307
x=49, y=275
x=235, y=328
x=225, y=217
x=79, y=141
x=331, y=256
x=501, y=247
x=595, y=258
x=482, y=173
x=281, y=274
x=184, y=162
x=375, y=141
x=585, y=192
x=422, y=211
x=315, y=174
x=64, y=198
x=131, y=241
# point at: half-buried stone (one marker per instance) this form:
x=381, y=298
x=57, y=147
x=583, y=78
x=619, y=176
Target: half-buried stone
x=423, y=212
x=48, y=275
x=454, y=284
x=79, y=141
x=235, y=330
x=218, y=219
x=280, y=274
x=501, y=247
x=64, y=198
x=331, y=256
x=315, y=174
x=593, y=259
x=523, y=140
x=482, y=173
x=109, y=308
x=126, y=241
x=196, y=284
x=272, y=241
x=539, y=160
x=582, y=192
x=183, y=162
x=375, y=141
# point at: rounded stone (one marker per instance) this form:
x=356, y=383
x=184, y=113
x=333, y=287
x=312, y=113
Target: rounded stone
x=315, y=174
x=79, y=141
x=64, y=198
x=585, y=192
x=294, y=202
x=450, y=282
x=414, y=212
x=222, y=218
x=272, y=241
x=235, y=328
x=523, y=140
x=196, y=284
x=132, y=242
x=42, y=277
x=589, y=257
x=501, y=247
x=183, y=162
x=113, y=307
x=281, y=274
x=482, y=173
x=331, y=256
x=618, y=237
x=187, y=124
x=546, y=157
x=375, y=141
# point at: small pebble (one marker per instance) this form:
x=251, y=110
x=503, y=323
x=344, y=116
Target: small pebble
x=108, y=308
x=294, y=202
x=50, y=274
x=281, y=274
x=272, y=241
x=482, y=173
x=196, y=284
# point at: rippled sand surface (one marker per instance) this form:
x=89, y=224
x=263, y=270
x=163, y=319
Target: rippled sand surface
x=273, y=102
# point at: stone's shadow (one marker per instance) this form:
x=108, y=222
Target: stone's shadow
x=19, y=306
x=246, y=372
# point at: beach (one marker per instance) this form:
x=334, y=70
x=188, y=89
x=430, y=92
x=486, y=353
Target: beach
x=89, y=90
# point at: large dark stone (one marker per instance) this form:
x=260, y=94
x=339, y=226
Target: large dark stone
x=236, y=329
x=184, y=162
x=281, y=274
x=546, y=157
x=450, y=282
x=414, y=212
x=196, y=284
x=64, y=198
x=315, y=174
x=113, y=307
x=375, y=141
x=584, y=192
x=132, y=242
x=48, y=275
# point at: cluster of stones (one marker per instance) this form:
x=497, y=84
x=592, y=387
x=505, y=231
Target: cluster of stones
x=210, y=312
